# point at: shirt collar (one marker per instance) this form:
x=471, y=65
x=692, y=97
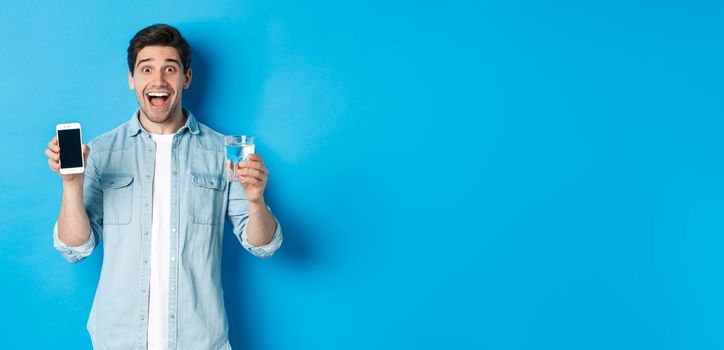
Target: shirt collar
x=134, y=127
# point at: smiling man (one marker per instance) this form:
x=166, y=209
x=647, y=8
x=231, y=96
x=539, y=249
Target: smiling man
x=154, y=193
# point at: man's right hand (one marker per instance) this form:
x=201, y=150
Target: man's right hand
x=53, y=153
x=73, y=224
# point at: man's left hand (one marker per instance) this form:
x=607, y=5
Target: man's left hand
x=253, y=176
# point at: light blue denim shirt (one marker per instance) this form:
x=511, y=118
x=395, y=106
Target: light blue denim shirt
x=118, y=196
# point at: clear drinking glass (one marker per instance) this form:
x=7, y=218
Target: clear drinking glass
x=238, y=149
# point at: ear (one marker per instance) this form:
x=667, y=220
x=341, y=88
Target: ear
x=131, y=85
x=187, y=77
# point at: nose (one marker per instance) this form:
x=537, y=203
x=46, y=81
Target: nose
x=159, y=78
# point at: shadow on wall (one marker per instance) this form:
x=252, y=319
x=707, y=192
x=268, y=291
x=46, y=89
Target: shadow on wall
x=219, y=66
x=295, y=251
x=194, y=96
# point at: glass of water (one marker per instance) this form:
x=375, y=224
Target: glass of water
x=238, y=149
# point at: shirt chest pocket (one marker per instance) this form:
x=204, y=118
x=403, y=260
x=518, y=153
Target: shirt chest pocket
x=117, y=198
x=207, y=193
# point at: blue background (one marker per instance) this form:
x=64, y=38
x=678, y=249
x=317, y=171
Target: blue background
x=476, y=175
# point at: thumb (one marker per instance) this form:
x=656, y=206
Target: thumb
x=86, y=152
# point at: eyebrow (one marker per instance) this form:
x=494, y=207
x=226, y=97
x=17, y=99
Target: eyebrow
x=166, y=60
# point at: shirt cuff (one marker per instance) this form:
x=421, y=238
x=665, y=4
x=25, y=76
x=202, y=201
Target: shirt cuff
x=73, y=254
x=267, y=250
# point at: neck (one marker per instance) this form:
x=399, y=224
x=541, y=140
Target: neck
x=170, y=126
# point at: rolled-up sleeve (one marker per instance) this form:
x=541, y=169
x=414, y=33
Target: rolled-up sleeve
x=266, y=250
x=73, y=254
x=238, y=215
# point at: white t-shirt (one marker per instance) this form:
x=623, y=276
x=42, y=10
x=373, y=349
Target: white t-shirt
x=160, y=245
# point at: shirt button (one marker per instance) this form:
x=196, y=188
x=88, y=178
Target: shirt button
x=174, y=172
x=173, y=258
x=141, y=318
x=143, y=291
x=145, y=233
x=172, y=316
x=148, y=176
x=173, y=288
x=173, y=230
x=145, y=204
x=145, y=261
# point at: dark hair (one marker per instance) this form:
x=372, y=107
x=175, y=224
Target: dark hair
x=159, y=35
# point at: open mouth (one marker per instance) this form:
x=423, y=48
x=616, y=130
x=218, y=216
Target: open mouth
x=158, y=99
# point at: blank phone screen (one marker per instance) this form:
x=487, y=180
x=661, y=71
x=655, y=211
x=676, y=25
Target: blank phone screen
x=71, y=155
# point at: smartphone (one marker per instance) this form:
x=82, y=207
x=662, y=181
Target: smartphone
x=71, y=153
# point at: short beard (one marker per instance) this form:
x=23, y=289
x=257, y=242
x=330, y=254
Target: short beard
x=164, y=118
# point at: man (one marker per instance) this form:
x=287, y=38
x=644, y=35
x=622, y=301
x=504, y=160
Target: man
x=154, y=192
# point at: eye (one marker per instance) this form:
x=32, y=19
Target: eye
x=146, y=70
x=170, y=69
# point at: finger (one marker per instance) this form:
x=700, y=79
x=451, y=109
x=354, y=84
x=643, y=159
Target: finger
x=255, y=157
x=248, y=180
x=261, y=174
x=251, y=172
x=52, y=155
x=261, y=178
x=250, y=161
x=252, y=165
x=54, y=166
x=53, y=145
x=86, y=152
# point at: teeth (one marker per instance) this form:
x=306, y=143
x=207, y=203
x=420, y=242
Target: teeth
x=158, y=94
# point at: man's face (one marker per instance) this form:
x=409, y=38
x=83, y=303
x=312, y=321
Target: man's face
x=159, y=81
